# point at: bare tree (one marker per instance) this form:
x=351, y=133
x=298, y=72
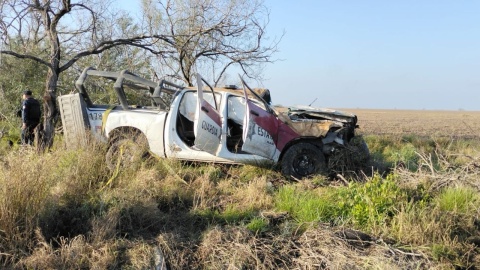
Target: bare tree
x=189, y=35
x=58, y=33
x=211, y=36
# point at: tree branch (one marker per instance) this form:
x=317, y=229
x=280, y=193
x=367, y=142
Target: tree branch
x=27, y=56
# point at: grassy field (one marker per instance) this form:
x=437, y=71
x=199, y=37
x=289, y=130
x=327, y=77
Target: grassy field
x=415, y=206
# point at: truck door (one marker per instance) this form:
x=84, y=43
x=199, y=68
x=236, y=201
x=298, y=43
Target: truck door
x=207, y=123
x=260, y=131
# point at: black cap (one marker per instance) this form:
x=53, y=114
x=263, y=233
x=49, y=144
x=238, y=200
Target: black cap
x=27, y=92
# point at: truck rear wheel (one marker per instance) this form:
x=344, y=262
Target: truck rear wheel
x=125, y=150
x=303, y=160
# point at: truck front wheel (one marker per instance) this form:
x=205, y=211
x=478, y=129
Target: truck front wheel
x=125, y=150
x=303, y=160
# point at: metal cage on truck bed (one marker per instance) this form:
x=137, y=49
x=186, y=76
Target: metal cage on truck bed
x=75, y=108
x=161, y=92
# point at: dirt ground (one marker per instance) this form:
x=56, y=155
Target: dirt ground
x=455, y=124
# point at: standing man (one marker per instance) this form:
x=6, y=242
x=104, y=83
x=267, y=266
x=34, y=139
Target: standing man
x=30, y=117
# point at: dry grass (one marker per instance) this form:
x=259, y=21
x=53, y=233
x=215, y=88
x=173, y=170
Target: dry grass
x=340, y=248
x=237, y=248
x=319, y=247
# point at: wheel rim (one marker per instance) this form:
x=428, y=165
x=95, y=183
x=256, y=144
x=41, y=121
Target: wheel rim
x=304, y=163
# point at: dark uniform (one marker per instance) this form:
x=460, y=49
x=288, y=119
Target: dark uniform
x=30, y=117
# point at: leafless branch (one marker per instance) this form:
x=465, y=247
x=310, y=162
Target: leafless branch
x=222, y=32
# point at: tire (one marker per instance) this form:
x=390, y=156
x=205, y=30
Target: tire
x=360, y=149
x=302, y=160
x=350, y=158
x=126, y=150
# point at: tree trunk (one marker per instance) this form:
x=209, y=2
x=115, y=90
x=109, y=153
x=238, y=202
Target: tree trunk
x=50, y=112
x=50, y=97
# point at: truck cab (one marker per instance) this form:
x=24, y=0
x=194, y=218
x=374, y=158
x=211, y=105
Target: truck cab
x=204, y=123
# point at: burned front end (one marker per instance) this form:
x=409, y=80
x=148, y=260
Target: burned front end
x=335, y=128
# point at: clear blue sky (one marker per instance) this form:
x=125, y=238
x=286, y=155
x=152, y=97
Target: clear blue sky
x=377, y=54
x=401, y=54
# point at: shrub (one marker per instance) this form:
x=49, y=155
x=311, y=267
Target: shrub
x=370, y=204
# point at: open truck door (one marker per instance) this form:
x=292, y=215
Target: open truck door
x=208, y=122
x=260, y=132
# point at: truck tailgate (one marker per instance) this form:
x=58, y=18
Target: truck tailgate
x=73, y=112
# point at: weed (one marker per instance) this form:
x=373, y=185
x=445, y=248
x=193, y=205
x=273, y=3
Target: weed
x=233, y=214
x=371, y=204
x=458, y=200
x=230, y=215
x=442, y=252
x=401, y=154
x=257, y=225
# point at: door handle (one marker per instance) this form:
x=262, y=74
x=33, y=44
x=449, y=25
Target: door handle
x=205, y=109
x=254, y=113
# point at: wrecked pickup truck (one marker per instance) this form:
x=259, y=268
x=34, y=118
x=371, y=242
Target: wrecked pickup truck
x=222, y=125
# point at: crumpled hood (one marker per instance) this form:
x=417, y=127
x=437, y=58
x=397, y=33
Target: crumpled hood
x=309, y=121
x=307, y=113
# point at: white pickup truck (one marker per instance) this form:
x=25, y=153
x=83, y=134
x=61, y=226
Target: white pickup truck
x=222, y=125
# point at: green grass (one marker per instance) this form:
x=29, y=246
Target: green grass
x=305, y=205
x=257, y=225
x=363, y=205
x=395, y=150
x=458, y=200
x=230, y=215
